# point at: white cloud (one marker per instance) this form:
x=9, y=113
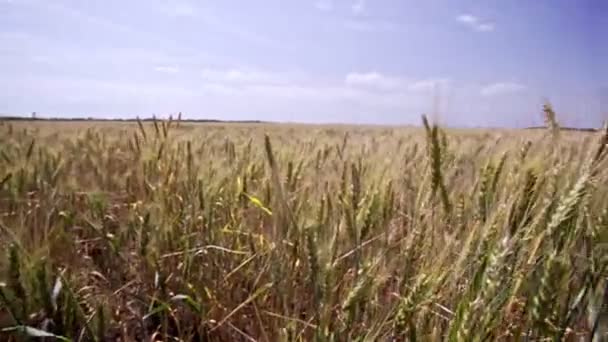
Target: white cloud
x=217, y=21
x=429, y=84
x=219, y=89
x=179, y=9
x=467, y=19
x=242, y=76
x=167, y=69
x=309, y=100
x=371, y=26
x=475, y=23
x=324, y=5
x=502, y=88
x=358, y=7
x=386, y=83
x=485, y=27
x=372, y=80
x=214, y=20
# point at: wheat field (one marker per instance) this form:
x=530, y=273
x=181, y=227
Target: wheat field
x=178, y=231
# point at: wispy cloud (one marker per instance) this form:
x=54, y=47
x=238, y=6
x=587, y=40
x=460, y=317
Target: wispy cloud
x=485, y=27
x=371, y=26
x=85, y=18
x=430, y=84
x=242, y=76
x=389, y=83
x=475, y=23
x=372, y=80
x=167, y=69
x=502, y=88
x=378, y=81
x=178, y=9
x=223, y=24
x=214, y=20
x=324, y=5
x=358, y=7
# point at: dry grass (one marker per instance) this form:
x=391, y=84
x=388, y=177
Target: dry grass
x=174, y=231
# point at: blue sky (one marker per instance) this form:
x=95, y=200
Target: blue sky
x=468, y=63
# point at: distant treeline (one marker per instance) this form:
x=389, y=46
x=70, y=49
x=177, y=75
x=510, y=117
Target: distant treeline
x=568, y=129
x=24, y=118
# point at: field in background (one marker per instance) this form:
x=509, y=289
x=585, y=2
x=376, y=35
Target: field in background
x=273, y=232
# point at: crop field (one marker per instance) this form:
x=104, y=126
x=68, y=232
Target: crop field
x=179, y=231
